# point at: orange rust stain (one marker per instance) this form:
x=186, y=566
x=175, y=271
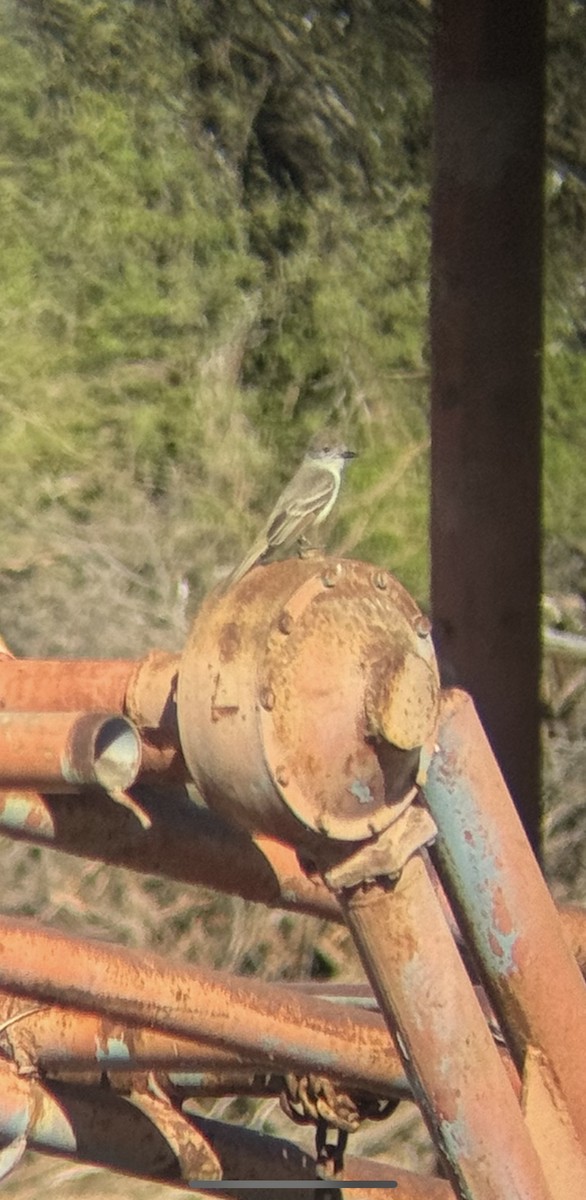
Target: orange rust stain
x=229, y=642
x=495, y=946
x=501, y=916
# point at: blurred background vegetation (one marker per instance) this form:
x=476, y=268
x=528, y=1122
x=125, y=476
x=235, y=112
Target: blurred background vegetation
x=214, y=239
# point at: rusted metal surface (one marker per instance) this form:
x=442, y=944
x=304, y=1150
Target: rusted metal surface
x=573, y=926
x=191, y=845
x=52, y=1038
x=142, y=1136
x=150, y=701
x=57, y=750
x=59, y=1041
x=304, y=707
x=288, y=1029
x=64, y=685
x=183, y=842
x=293, y=686
x=563, y=1159
x=144, y=691
x=409, y=1185
x=486, y=302
x=240, y=1149
x=109, y=1130
x=456, y=1074
x=504, y=906
x=55, y=1040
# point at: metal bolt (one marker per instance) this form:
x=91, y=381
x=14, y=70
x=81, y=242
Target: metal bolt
x=267, y=698
x=285, y=622
x=422, y=626
x=282, y=776
x=380, y=580
x=331, y=576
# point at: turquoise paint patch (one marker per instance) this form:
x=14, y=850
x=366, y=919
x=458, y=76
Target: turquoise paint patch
x=466, y=845
x=116, y=1051
x=362, y=792
x=456, y=1138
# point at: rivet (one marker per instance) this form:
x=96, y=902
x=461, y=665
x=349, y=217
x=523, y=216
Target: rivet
x=285, y=622
x=282, y=776
x=267, y=698
x=422, y=626
x=380, y=580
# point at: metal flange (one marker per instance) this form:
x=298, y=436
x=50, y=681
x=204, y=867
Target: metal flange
x=305, y=694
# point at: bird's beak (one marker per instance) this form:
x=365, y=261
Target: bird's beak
x=349, y=454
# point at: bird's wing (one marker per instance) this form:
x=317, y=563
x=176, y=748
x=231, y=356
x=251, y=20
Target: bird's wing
x=305, y=497
x=309, y=492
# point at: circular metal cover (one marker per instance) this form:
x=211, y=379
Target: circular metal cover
x=305, y=694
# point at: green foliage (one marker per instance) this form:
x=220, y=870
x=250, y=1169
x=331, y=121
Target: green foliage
x=215, y=239
x=565, y=451
x=200, y=261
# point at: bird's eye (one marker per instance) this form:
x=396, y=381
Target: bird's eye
x=326, y=449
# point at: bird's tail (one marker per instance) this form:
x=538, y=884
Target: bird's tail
x=254, y=555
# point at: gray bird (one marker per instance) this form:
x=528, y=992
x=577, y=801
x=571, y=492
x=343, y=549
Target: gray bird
x=305, y=502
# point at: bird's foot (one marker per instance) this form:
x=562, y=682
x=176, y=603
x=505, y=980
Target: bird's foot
x=307, y=549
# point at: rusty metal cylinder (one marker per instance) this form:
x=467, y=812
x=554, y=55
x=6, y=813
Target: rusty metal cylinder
x=63, y=685
x=60, y=751
x=304, y=696
x=142, y=690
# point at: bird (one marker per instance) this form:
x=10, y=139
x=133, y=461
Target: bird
x=305, y=502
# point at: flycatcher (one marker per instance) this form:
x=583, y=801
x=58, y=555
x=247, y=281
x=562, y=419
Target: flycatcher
x=305, y=502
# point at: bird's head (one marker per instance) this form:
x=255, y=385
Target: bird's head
x=328, y=448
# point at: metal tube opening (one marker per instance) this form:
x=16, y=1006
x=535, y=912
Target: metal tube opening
x=117, y=753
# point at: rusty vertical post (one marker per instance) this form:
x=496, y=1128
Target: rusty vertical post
x=505, y=908
x=427, y=999
x=485, y=346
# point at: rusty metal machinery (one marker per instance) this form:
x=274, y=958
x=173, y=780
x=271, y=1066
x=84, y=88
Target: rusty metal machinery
x=307, y=709
x=304, y=696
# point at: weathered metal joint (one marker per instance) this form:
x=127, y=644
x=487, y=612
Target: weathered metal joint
x=387, y=853
x=304, y=697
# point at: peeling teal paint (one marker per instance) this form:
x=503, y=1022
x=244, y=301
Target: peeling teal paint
x=456, y=1139
x=362, y=792
x=466, y=845
x=116, y=1051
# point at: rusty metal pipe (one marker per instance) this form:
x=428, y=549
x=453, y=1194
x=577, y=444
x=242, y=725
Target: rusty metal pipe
x=504, y=905
x=184, y=842
x=53, y=1038
x=108, y=1130
x=154, y=1142
x=238, y=1149
x=64, y=685
x=190, y=844
x=68, y=749
x=56, y=1039
x=422, y=987
x=289, y=1030
x=143, y=690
